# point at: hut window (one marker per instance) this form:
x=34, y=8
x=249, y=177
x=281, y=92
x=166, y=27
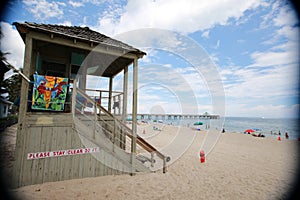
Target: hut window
x=52, y=69
x=77, y=58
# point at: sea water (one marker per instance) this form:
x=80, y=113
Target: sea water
x=240, y=124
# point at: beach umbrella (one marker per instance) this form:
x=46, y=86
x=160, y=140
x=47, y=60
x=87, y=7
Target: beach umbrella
x=249, y=131
x=198, y=123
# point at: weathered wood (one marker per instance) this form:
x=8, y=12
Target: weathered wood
x=124, y=107
x=110, y=94
x=68, y=159
x=76, y=159
x=25, y=84
x=47, y=143
x=82, y=45
x=21, y=138
x=134, y=114
x=49, y=131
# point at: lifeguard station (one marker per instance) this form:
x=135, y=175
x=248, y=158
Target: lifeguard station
x=66, y=130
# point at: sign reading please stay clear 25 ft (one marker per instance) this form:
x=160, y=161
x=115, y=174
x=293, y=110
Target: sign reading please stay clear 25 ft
x=68, y=152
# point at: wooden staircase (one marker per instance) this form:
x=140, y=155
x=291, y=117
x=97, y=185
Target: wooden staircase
x=99, y=127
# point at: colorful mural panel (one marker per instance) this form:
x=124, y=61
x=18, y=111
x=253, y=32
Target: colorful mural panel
x=49, y=93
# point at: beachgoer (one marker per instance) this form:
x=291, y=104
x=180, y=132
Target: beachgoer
x=223, y=131
x=279, y=133
x=286, y=135
x=271, y=133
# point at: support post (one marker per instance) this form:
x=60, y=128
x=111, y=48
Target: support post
x=110, y=94
x=17, y=177
x=134, y=113
x=125, y=89
x=25, y=83
x=74, y=91
x=82, y=79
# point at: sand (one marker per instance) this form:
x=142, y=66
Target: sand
x=238, y=167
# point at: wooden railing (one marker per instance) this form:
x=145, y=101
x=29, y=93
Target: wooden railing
x=117, y=131
x=102, y=97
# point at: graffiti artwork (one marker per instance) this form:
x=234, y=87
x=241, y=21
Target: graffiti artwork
x=49, y=93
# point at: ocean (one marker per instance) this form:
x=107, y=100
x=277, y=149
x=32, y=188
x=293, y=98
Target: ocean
x=240, y=124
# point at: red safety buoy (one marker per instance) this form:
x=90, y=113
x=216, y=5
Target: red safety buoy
x=202, y=156
x=279, y=138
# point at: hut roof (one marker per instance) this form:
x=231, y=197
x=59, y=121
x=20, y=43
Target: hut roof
x=115, y=63
x=80, y=33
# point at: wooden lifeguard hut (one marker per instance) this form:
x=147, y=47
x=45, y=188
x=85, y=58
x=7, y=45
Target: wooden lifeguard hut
x=66, y=130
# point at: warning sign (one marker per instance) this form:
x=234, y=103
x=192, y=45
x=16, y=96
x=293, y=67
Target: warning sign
x=68, y=152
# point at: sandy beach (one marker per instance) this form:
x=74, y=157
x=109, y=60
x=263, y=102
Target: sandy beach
x=240, y=166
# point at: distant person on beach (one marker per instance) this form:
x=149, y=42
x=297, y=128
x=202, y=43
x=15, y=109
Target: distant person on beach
x=271, y=133
x=223, y=131
x=279, y=133
x=286, y=135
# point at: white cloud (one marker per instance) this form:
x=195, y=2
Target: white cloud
x=95, y=2
x=285, y=16
x=66, y=23
x=272, y=58
x=42, y=9
x=182, y=16
x=76, y=4
x=13, y=44
x=266, y=110
x=217, y=44
x=205, y=34
x=261, y=92
x=261, y=89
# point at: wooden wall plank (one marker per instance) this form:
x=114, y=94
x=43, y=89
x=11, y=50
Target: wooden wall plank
x=47, y=137
x=53, y=161
x=37, y=169
x=47, y=142
x=68, y=159
x=59, y=133
x=19, y=157
x=33, y=137
x=76, y=160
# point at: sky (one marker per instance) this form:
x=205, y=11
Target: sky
x=234, y=58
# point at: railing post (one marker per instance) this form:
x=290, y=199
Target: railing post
x=152, y=159
x=95, y=120
x=114, y=135
x=114, y=100
x=74, y=91
x=100, y=99
x=164, y=165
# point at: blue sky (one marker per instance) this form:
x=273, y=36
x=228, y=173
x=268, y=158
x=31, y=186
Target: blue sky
x=253, y=45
